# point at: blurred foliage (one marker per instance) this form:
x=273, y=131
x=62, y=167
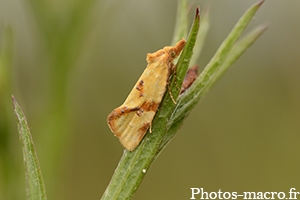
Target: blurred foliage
x=7, y=165
x=243, y=137
x=62, y=28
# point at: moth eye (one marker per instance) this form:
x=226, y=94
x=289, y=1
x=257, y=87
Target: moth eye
x=173, y=54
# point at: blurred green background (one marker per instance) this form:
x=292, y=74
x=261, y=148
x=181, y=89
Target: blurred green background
x=69, y=63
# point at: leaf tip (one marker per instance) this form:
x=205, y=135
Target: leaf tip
x=260, y=2
x=262, y=28
x=14, y=101
x=265, y=26
x=197, y=12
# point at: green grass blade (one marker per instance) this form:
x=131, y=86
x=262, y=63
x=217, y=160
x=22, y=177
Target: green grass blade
x=203, y=30
x=35, y=184
x=237, y=51
x=240, y=47
x=182, y=21
x=133, y=165
x=229, y=42
x=208, y=77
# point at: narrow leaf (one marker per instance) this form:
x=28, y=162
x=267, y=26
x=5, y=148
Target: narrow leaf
x=182, y=21
x=235, y=54
x=240, y=47
x=203, y=30
x=35, y=184
x=207, y=78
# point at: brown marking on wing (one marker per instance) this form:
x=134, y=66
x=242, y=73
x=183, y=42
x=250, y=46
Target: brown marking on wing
x=118, y=112
x=142, y=130
x=139, y=112
x=189, y=79
x=141, y=83
x=150, y=106
x=134, y=108
x=140, y=88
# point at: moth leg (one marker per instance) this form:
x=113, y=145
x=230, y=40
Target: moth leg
x=150, y=128
x=171, y=93
x=174, y=68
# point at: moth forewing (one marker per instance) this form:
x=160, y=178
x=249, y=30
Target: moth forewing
x=133, y=118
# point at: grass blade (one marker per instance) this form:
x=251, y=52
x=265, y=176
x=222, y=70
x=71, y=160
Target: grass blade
x=203, y=30
x=237, y=51
x=208, y=77
x=240, y=47
x=34, y=179
x=182, y=21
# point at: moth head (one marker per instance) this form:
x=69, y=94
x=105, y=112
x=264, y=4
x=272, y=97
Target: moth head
x=175, y=51
x=171, y=52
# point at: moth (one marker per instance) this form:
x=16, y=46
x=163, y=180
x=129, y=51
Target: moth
x=132, y=119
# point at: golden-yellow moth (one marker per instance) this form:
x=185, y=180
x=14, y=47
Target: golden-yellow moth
x=132, y=119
